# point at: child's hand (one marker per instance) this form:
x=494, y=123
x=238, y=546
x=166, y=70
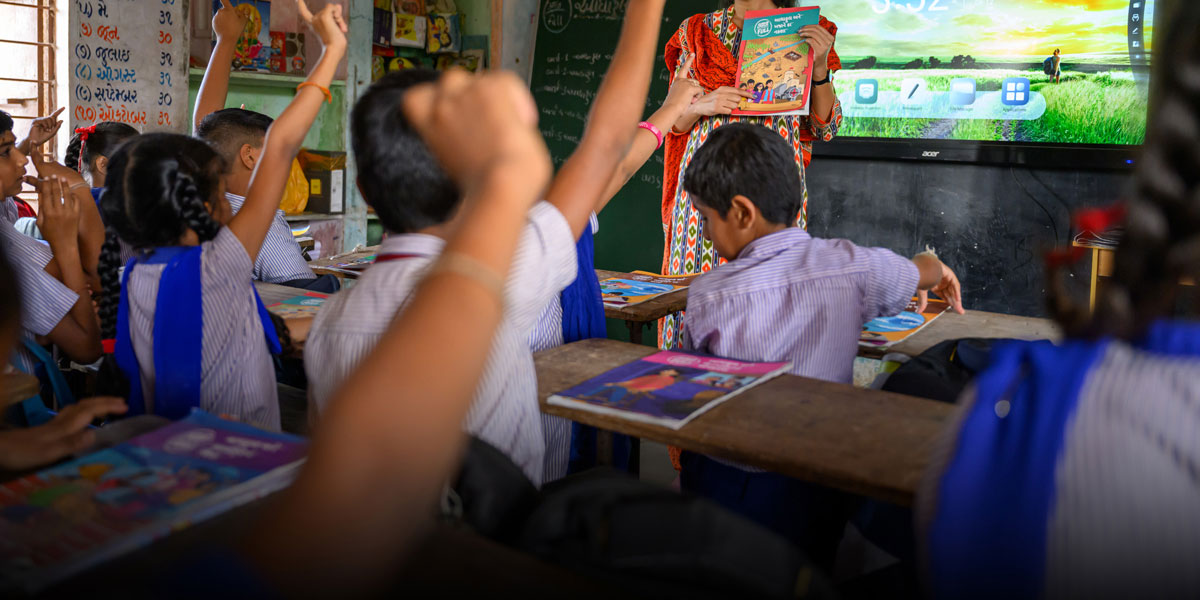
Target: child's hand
x=947, y=288
x=63, y=436
x=49, y=169
x=58, y=213
x=684, y=90
x=44, y=128
x=328, y=24
x=228, y=23
x=721, y=101
x=475, y=124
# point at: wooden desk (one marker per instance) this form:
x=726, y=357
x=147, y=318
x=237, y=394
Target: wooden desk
x=862, y=441
x=16, y=387
x=636, y=317
x=328, y=266
x=298, y=328
x=974, y=324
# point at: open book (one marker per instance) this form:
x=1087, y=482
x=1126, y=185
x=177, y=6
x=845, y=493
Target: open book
x=775, y=62
x=667, y=388
x=640, y=286
x=67, y=518
x=307, y=304
x=885, y=332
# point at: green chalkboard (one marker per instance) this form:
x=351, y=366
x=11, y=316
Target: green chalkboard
x=575, y=43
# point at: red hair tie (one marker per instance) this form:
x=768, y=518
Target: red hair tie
x=1098, y=220
x=83, y=133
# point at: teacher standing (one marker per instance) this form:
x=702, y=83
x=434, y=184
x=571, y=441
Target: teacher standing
x=713, y=39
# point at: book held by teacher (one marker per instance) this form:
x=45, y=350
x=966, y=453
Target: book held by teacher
x=775, y=62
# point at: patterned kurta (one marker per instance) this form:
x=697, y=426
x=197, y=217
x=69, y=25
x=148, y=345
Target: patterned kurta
x=714, y=38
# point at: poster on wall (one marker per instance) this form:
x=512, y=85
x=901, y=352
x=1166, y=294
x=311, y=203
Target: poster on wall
x=128, y=64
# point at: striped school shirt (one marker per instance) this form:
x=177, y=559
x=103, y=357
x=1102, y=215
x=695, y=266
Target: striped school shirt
x=505, y=410
x=280, y=258
x=1124, y=519
x=791, y=297
x=9, y=212
x=45, y=301
x=237, y=372
x=548, y=333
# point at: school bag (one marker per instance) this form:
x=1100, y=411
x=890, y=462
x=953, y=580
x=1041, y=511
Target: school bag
x=1048, y=66
x=663, y=544
x=942, y=372
x=635, y=535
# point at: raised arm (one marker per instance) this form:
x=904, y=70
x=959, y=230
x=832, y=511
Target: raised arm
x=684, y=91
x=42, y=130
x=228, y=24
x=287, y=133
x=580, y=185
x=383, y=450
x=78, y=333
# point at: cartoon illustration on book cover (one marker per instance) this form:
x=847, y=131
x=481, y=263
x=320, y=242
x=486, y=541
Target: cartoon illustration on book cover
x=776, y=62
x=885, y=332
x=253, y=49
x=624, y=292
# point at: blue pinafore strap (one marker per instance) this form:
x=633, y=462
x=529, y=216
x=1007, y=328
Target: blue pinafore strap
x=994, y=500
x=178, y=333
x=33, y=410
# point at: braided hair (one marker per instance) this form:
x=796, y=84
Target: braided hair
x=1161, y=243
x=81, y=155
x=159, y=188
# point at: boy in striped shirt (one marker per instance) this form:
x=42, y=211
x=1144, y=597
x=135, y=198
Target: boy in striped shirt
x=418, y=204
x=784, y=296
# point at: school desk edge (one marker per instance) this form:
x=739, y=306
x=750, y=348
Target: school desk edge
x=806, y=440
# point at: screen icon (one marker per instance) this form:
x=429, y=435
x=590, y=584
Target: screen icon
x=962, y=91
x=866, y=91
x=1015, y=91
x=914, y=91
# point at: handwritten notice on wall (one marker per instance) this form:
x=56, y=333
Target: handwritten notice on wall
x=128, y=63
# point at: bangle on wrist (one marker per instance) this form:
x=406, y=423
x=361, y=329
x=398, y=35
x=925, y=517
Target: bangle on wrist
x=471, y=268
x=324, y=90
x=658, y=134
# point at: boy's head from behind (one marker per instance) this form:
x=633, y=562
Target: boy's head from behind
x=397, y=175
x=12, y=160
x=745, y=183
x=238, y=134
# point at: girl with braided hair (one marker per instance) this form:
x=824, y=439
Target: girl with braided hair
x=91, y=148
x=183, y=323
x=1074, y=469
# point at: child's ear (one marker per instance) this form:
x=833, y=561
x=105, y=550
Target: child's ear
x=248, y=156
x=102, y=165
x=742, y=212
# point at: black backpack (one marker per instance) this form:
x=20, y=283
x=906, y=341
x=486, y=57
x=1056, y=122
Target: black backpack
x=634, y=535
x=1048, y=66
x=942, y=372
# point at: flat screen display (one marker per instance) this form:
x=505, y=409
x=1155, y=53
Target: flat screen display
x=987, y=70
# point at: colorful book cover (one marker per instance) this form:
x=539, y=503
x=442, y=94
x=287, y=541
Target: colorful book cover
x=638, y=287
x=67, y=518
x=667, y=388
x=776, y=62
x=305, y=305
x=253, y=50
x=408, y=30
x=886, y=332
x=445, y=34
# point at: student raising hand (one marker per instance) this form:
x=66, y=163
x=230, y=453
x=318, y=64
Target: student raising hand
x=288, y=131
x=228, y=24
x=78, y=335
x=41, y=131
x=66, y=434
x=383, y=452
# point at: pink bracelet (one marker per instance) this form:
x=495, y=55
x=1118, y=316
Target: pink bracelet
x=648, y=126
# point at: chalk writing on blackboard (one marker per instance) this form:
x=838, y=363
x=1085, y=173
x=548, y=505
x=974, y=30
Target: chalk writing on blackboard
x=129, y=63
x=556, y=15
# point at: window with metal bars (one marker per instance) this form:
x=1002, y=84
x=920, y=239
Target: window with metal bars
x=28, y=84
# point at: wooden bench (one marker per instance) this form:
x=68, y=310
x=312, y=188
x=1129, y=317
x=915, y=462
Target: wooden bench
x=861, y=441
x=1103, y=261
x=329, y=266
